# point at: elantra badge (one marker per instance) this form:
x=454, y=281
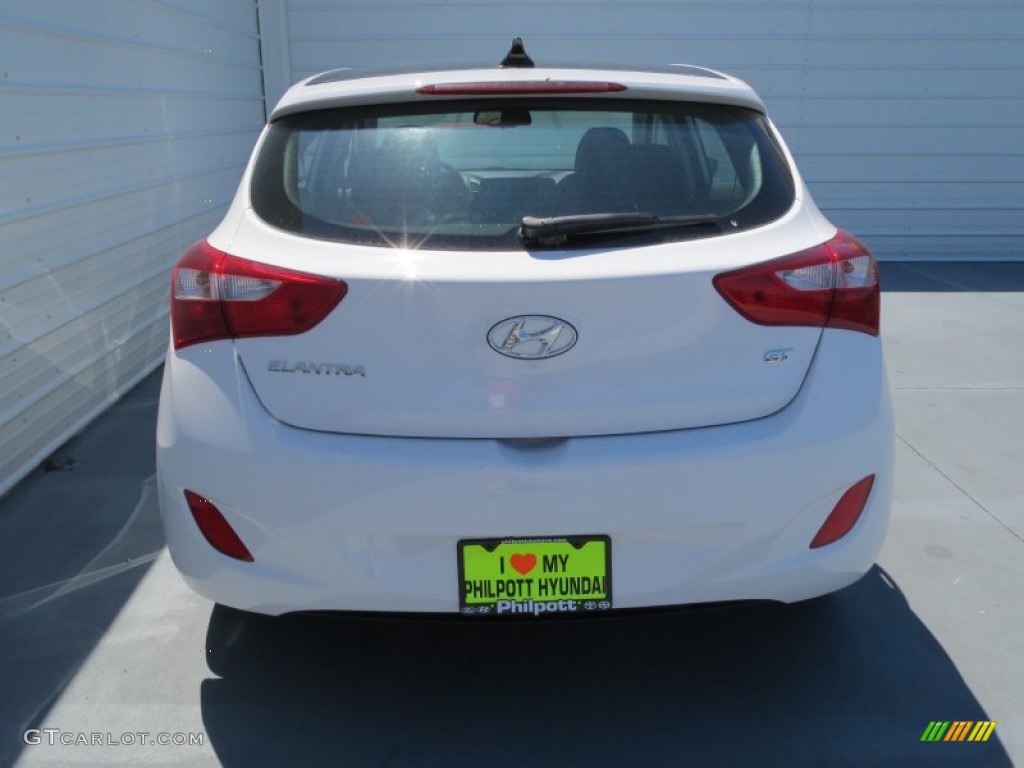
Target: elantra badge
x=532, y=337
x=324, y=369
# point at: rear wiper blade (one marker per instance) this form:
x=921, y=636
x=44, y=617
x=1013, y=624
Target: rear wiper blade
x=555, y=230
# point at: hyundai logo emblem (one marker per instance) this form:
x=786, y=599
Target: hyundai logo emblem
x=532, y=337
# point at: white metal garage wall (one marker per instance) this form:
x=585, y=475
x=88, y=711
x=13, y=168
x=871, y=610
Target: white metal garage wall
x=907, y=116
x=124, y=128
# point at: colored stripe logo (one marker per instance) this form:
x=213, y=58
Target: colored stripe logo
x=958, y=730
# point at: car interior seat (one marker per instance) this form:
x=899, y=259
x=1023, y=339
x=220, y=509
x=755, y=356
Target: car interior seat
x=400, y=182
x=598, y=182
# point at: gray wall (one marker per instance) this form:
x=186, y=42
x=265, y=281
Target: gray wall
x=125, y=125
x=124, y=128
x=906, y=116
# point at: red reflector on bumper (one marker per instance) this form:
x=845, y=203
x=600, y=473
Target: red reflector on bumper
x=845, y=513
x=215, y=528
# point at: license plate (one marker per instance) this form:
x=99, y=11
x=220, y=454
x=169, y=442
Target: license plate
x=507, y=577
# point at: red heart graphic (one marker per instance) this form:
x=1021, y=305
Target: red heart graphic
x=523, y=563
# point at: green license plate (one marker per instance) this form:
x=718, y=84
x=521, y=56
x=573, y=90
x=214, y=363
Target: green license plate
x=507, y=577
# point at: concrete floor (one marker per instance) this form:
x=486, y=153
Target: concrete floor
x=99, y=635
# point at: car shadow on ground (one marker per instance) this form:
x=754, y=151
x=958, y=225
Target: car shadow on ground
x=76, y=538
x=850, y=680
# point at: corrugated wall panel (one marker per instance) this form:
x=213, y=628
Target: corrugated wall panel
x=125, y=128
x=906, y=116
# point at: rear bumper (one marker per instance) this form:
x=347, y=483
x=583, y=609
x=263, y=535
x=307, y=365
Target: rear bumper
x=345, y=522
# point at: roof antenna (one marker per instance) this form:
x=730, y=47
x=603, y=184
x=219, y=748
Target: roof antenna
x=517, y=57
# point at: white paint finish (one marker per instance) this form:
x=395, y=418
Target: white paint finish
x=887, y=94
x=715, y=87
x=680, y=357
x=126, y=127
x=348, y=522
x=683, y=359
x=352, y=492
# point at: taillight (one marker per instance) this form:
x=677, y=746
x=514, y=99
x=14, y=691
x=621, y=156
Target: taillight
x=215, y=529
x=218, y=296
x=525, y=88
x=845, y=514
x=834, y=284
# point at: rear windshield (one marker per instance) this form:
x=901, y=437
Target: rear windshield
x=464, y=174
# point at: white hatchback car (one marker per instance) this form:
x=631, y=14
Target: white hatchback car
x=523, y=340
